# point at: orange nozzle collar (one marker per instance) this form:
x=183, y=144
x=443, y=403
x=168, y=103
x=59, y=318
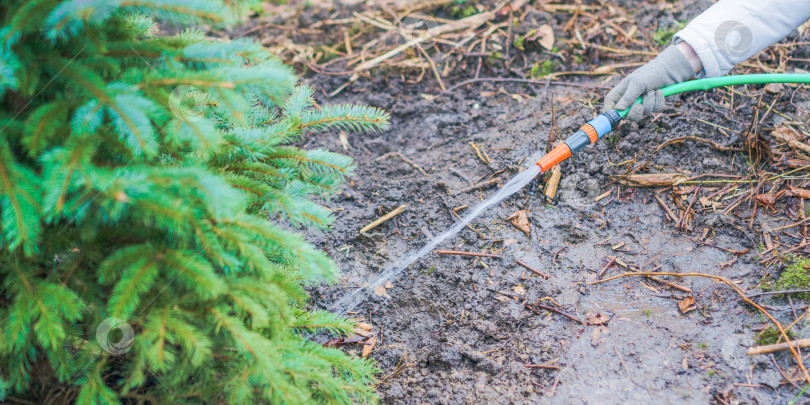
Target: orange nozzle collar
x=557, y=155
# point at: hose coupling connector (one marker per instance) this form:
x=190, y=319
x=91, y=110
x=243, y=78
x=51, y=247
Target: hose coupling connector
x=587, y=134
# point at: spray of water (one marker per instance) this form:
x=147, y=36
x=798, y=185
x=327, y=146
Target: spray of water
x=354, y=298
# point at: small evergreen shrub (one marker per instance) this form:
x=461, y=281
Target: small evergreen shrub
x=143, y=182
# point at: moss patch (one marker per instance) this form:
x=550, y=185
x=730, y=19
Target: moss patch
x=771, y=335
x=462, y=8
x=664, y=35
x=794, y=277
x=540, y=70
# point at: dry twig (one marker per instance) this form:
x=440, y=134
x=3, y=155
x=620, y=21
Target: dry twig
x=404, y=159
x=460, y=253
x=698, y=139
x=778, y=347
x=534, y=307
x=396, y=211
x=532, y=269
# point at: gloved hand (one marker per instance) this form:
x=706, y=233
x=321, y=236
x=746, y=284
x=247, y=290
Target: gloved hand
x=669, y=67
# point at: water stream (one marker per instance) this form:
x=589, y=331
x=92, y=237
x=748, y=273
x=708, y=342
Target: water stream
x=354, y=298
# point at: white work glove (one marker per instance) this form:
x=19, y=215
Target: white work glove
x=669, y=67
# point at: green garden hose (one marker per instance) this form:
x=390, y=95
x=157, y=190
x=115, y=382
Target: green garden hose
x=712, y=82
x=596, y=128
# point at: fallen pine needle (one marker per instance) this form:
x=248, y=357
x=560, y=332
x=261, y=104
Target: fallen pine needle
x=460, y=253
x=732, y=251
x=698, y=139
x=789, y=225
x=532, y=269
x=483, y=158
x=607, y=266
x=733, y=287
x=759, y=294
x=470, y=22
x=668, y=283
x=547, y=365
x=534, y=307
x=603, y=195
x=528, y=81
x=669, y=212
x=483, y=184
x=404, y=159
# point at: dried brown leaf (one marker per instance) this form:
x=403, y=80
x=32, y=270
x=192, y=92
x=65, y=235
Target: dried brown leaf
x=715, y=205
x=792, y=210
x=652, y=179
x=546, y=36
x=791, y=137
x=380, y=290
x=767, y=199
x=726, y=264
x=603, y=70
x=797, y=192
x=596, y=319
x=687, y=304
x=775, y=88
x=511, y=7
x=786, y=133
x=520, y=220
x=368, y=346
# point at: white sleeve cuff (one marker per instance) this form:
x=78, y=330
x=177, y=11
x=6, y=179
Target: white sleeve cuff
x=732, y=31
x=705, y=50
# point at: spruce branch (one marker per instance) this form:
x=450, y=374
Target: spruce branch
x=324, y=321
x=153, y=179
x=349, y=117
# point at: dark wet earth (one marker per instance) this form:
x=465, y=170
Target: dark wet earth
x=456, y=329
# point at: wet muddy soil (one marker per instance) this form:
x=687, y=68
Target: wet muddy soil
x=456, y=329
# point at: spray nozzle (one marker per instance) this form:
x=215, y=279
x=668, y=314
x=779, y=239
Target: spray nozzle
x=587, y=134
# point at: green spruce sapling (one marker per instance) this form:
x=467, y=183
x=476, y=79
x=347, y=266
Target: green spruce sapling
x=141, y=179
